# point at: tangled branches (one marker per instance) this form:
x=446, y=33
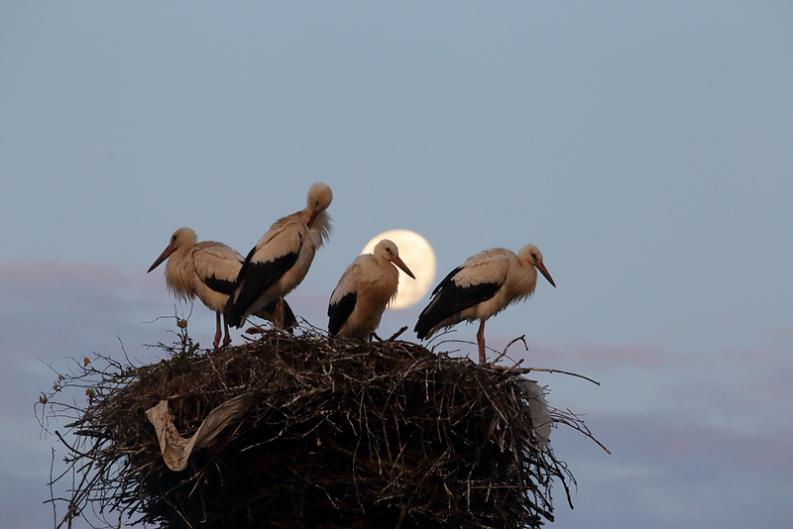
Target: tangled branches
x=338, y=434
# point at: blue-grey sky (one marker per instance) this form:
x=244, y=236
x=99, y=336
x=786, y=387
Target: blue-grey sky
x=645, y=147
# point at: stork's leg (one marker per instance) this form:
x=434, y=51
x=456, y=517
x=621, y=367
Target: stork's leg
x=217, y=330
x=227, y=336
x=480, y=340
x=278, y=314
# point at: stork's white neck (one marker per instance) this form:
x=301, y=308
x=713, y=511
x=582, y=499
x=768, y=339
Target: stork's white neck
x=177, y=273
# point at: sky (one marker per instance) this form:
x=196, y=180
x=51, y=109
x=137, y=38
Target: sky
x=644, y=147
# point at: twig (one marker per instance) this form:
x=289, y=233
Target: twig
x=397, y=334
x=549, y=370
x=52, y=490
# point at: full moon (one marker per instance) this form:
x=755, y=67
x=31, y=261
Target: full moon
x=417, y=253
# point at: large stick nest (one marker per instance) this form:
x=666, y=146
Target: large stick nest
x=340, y=434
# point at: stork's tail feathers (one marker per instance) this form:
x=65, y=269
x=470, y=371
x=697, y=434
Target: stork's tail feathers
x=233, y=314
x=290, y=321
x=427, y=320
x=421, y=329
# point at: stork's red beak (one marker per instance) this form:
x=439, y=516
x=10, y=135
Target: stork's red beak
x=544, y=271
x=163, y=256
x=401, y=264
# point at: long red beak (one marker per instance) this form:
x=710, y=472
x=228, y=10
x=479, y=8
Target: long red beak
x=401, y=264
x=544, y=271
x=163, y=256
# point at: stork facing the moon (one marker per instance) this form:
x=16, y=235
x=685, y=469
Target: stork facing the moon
x=206, y=270
x=413, y=249
x=484, y=285
x=367, y=286
x=281, y=258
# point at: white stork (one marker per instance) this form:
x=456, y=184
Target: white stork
x=484, y=285
x=364, y=290
x=207, y=270
x=281, y=258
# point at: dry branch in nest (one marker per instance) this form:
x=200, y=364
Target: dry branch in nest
x=332, y=434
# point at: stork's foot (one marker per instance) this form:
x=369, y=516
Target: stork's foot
x=226, y=341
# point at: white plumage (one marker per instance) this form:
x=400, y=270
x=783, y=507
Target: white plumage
x=206, y=270
x=481, y=287
x=365, y=289
x=281, y=258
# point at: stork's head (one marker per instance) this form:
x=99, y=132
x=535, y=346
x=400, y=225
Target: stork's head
x=386, y=249
x=319, y=198
x=532, y=256
x=181, y=238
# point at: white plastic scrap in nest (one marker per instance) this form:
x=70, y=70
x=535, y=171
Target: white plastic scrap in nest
x=538, y=409
x=176, y=449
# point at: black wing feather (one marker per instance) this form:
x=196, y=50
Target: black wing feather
x=224, y=286
x=244, y=269
x=339, y=312
x=446, y=280
x=253, y=279
x=290, y=320
x=449, y=299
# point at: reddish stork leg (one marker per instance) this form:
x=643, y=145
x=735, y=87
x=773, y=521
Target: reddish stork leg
x=278, y=314
x=227, y=337
x=480, y=340
x=217, y=330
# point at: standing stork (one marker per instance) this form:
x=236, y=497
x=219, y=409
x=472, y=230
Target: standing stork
x=281, y=258
x=484, y=285
x=365, y=289
x=206, y=270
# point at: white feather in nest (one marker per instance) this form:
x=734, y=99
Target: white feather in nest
x=538, y=409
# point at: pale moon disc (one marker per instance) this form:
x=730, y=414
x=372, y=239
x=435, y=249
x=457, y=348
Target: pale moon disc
x=417, y=254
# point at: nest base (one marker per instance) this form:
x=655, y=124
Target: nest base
x=339, y=434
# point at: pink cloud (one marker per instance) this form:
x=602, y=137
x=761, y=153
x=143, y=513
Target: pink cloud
x=20, y=271
x=51, y=308
x=667, y=439
x=92, y=281
x=39, y=275
x=632, y=355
